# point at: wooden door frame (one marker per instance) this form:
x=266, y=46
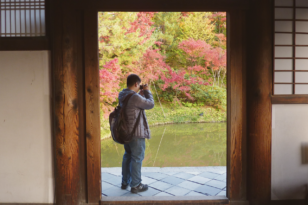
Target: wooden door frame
x=236, y=113
x=75, y=97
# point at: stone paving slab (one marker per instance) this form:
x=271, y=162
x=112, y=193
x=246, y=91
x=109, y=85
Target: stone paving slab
x=173, y=180
x=199, y=180
x=149, y=192
x=169, y=181
x=155, y=175
x=222, y=177
x=209, y=191
x=216, y=184
x=189, y=185
x=114, y=191
x=131, y=194
x=193, y=193
x=106, y=186
x=163, y=194
x=184, y=175
x=222, y=193
x=177, y=191
x=209, y=175
x=147, y=180
x=159, y=185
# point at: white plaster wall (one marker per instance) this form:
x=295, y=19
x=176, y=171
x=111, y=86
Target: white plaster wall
x=25, y=128
x=289, y=134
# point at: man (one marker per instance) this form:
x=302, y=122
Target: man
x=134, y=150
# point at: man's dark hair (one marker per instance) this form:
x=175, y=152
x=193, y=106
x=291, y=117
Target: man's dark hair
x=132, y=79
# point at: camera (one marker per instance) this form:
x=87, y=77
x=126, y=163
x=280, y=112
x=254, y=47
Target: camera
x=142, y=86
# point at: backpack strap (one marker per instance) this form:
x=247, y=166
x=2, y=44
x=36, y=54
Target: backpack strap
x=144, y=121
x=136, y=123
x=126, y=99
x=122, y=112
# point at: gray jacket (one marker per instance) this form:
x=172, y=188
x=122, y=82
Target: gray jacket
x=136, y=104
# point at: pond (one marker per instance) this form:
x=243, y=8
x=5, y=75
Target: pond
x=176, y=145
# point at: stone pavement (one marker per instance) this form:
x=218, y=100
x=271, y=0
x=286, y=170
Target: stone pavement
x=170, y=181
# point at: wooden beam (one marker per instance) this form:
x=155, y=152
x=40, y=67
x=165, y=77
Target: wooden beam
x=24, y=43
x=236, y=183
x=65, y=106
x=259, y=107
x=161, y=5
x=289, y=99
x=92, y=107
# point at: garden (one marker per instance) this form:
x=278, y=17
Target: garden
x=181, y=55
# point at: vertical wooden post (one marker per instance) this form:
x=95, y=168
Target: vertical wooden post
x=93, y=143
x=236, y=107
x=259, y=114
x=65, y=107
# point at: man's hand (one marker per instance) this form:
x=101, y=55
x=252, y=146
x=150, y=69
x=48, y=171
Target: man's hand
x=145, y=87
x=141, y=93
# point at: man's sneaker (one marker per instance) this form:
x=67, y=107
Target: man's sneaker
x=141, y=187
x=124, y=186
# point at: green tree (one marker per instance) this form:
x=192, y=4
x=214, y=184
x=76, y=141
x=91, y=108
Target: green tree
x=120, y=37
x=198, y=26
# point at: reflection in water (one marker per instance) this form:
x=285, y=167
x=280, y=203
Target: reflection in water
x=176, y=145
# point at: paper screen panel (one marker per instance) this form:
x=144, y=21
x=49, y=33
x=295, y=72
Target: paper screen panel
x=22, y=18
x=283, y=2
x=283, y=13
x=283, y=89
x=283, y=77
x=301, y=89
x=283, y=52
x=301, y=14
x=301, y=3
x=301, y=64
x=301, y=52
x=283, y=64
x=301, y=77
x=301, y=26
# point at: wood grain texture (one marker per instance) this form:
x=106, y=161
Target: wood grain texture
x=81, y=102
x=66, y=114
x=236, y=180
x=259, y=84
x=92, y=107
x=289, y=99
x=288, y=202
x=162, y=5
x=24, y=43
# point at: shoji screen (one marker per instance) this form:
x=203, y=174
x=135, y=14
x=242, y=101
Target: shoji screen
x=22, y=18
x=291, y=47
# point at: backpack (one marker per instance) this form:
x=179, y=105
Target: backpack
x=118, y=123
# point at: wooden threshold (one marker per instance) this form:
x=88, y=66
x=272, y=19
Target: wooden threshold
x=289, y=99
x=208, y=200
x=289, y=202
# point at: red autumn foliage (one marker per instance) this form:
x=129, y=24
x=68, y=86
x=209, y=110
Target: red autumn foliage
x=194, y=48
x=109, y=85
x=143, y=23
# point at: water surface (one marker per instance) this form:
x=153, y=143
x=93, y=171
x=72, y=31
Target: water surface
x=176, y=145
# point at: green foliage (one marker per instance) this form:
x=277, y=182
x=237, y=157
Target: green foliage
x=116, y=42
x=209, y=95
x=190, y=27
x=127, y=36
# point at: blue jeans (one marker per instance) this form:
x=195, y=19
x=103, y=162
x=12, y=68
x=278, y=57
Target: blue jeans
x=132, y=162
